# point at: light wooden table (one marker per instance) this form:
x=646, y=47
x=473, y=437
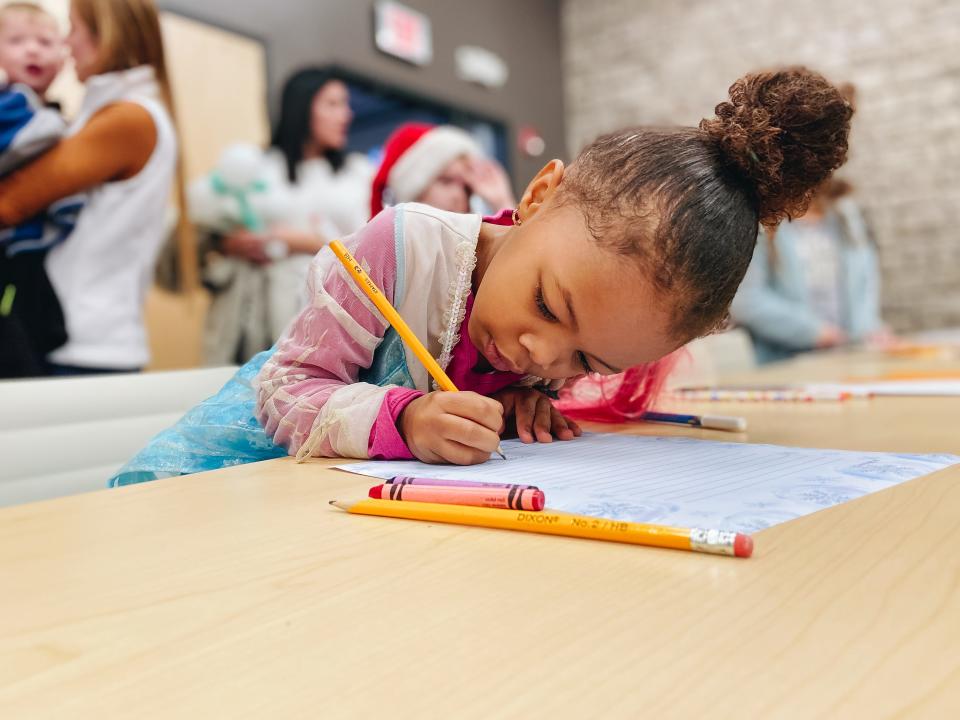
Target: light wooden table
x=241, y=594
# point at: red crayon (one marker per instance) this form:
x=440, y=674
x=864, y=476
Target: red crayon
x=407, y=480
x=515, y=498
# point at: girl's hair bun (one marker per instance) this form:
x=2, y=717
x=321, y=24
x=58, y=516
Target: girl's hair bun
x=784, y=132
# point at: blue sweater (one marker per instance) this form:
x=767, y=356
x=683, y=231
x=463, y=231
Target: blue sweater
x=774, y=304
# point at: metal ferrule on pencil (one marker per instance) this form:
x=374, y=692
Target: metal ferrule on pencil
x=718, y=542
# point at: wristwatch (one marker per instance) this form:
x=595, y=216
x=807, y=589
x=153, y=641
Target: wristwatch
x=275, y=249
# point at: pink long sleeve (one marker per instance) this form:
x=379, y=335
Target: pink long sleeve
x=386, y=442
x=309, y=398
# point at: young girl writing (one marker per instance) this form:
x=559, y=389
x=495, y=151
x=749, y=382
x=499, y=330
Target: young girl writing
x=632, y=251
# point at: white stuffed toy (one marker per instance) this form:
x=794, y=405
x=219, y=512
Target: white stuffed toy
x=238, y=194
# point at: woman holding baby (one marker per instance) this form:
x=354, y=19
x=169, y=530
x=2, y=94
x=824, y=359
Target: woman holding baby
x=121, y=151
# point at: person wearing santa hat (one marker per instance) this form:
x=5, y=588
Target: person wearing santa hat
x=441, y=166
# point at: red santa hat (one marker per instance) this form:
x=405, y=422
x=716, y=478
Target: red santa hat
x=413, y=156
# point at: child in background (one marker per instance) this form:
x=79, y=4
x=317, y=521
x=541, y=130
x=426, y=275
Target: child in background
x=814, y=283
x=441, y=166
x=618, y=260
x=31, y=56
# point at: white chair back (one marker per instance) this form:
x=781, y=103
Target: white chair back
x=60, y=436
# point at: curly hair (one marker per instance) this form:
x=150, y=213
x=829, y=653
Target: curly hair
x=786, y=132
x=688, y=202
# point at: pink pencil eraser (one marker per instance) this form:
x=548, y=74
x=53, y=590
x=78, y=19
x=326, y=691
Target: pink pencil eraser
x=743, y=545
x=376, y=492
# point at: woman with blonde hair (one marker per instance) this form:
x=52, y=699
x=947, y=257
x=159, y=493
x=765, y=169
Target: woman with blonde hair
x=122, y=150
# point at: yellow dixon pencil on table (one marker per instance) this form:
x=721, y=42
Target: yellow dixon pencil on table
x=393, y=317
x=718, y=542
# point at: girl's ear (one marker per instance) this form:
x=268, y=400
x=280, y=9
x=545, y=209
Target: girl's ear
x=540, y=189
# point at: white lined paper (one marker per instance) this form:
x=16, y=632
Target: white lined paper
x=683, y=481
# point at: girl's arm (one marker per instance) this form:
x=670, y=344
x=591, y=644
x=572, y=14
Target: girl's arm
x=115, y=145
x=309, y=398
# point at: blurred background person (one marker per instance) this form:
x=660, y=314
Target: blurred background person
x=31, y=47
x=815, y=283
x=441, y=166
x=122, y=150
x=32, y=52
x=317, y=192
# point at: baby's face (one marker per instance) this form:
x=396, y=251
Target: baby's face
x=31, y=49
x=551, y=303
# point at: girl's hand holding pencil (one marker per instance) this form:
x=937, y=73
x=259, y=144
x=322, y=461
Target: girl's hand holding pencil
x=462, y=428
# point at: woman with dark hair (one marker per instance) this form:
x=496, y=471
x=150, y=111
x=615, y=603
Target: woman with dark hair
x=331, y=189
x=317, y=192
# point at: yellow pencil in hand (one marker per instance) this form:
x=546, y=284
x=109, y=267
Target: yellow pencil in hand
x=393, y=317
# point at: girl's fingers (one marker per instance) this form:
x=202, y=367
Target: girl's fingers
x=536, y=419
x=469, y=434
x=473, y=407
x=559, y=426
x=525, y=413
x=458, y=454
x=542, y=423
x=427, y=456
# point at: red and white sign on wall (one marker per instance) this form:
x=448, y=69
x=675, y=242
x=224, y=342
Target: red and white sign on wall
x=402, y=32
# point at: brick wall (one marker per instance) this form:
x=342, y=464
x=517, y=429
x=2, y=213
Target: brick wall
x=670, y=61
